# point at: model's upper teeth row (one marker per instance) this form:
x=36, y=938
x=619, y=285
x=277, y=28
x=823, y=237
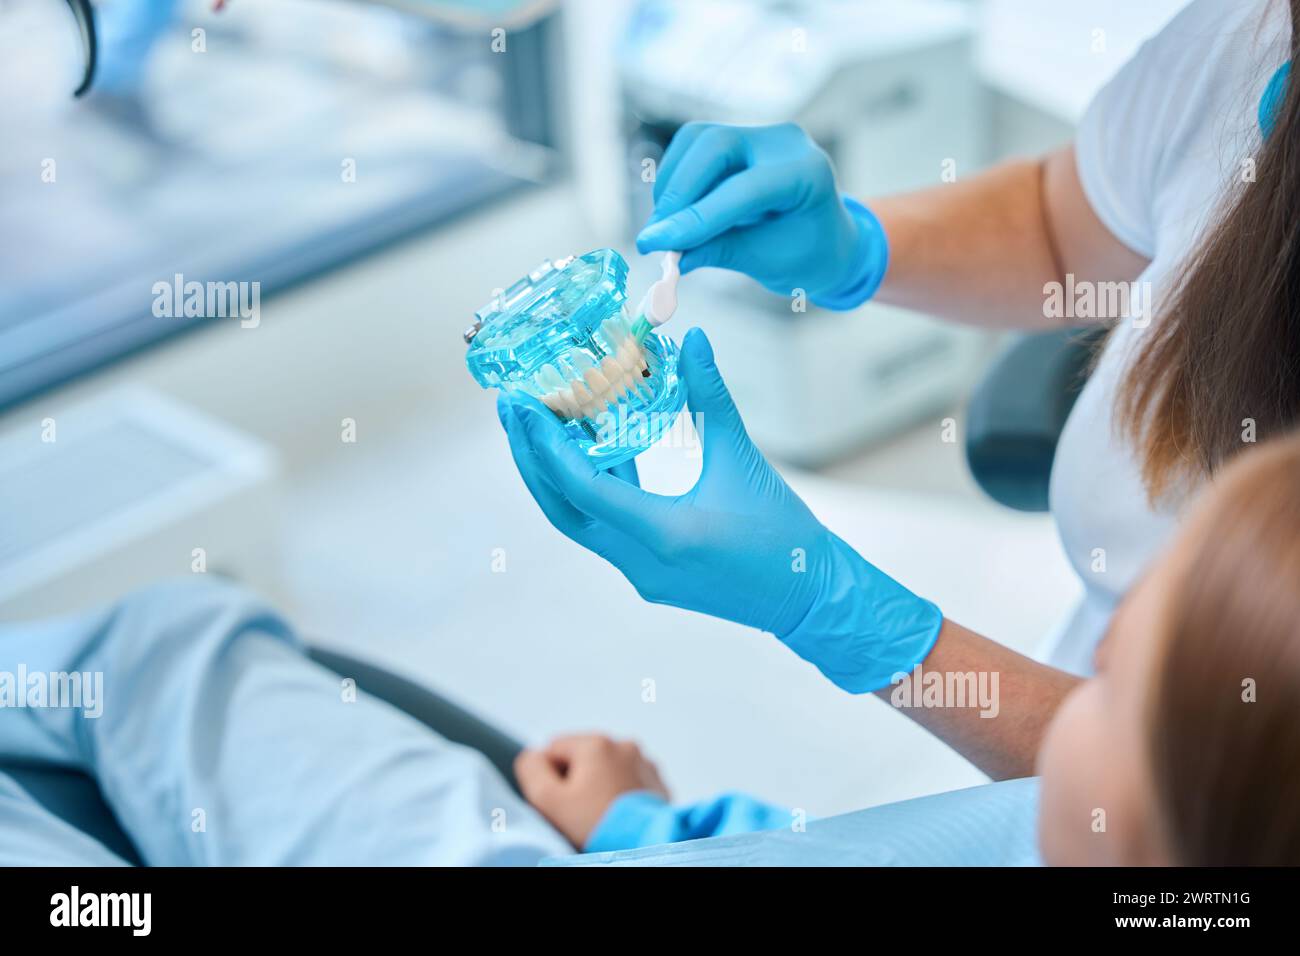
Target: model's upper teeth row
x=579, y=387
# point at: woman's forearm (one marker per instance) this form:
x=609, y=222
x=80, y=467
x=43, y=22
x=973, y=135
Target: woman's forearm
x=984, y=700
x=982, y=250
x=977, y=251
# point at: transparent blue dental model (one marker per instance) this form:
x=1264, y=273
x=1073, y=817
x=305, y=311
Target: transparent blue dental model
x=563, y=333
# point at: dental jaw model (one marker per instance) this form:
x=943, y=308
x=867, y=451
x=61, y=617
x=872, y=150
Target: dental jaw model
x=564, y=335
x=616, y=377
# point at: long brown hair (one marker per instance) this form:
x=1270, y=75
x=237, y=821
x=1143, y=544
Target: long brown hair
x=1228, y=347
x=1224, y=718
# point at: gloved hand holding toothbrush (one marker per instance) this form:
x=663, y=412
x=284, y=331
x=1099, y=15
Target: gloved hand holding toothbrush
x=762, y=200
x=740, y=545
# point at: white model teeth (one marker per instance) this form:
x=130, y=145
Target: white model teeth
x=584, y=389
x=616, y=336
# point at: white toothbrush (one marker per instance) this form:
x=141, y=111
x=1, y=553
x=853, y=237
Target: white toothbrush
x=660, y=300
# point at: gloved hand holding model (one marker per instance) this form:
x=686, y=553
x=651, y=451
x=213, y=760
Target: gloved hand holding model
x=763, y=201
x=740, y=545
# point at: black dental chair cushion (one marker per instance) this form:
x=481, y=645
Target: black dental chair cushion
x=1016, y=414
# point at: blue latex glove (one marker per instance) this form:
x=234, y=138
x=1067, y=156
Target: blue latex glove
x=763, y=201
x=740, y=545
x=642, y=818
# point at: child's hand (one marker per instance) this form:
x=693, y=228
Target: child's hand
x=574, y=779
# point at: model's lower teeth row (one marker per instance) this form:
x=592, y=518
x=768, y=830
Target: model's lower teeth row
x=579, y=387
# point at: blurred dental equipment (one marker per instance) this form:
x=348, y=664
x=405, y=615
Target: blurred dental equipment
x=85, y=19
x=177, y=162
x=889, y=90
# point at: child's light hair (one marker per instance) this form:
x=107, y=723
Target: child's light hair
x=1224, y=716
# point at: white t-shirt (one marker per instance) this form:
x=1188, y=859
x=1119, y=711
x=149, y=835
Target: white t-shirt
x=1155, y=150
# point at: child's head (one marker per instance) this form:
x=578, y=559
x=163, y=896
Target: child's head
x=1185, y=748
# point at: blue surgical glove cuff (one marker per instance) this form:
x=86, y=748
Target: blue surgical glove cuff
x=865, y=627
x=871, y=261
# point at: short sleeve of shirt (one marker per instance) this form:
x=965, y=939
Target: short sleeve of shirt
x=1117, y=157
x=1134, y=131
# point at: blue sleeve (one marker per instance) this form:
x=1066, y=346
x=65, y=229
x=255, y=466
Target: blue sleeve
x=641, y=818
